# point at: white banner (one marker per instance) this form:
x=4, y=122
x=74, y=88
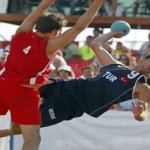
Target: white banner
x=114, y=130
x=4, y=124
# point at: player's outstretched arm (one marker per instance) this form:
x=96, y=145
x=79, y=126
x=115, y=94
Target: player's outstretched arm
x=141, y=110
x=102, y=54
x=30, y=20
x=14, y=130
x=70, y=34
x=5, y=132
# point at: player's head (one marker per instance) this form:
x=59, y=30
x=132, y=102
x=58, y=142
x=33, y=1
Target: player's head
x=50, y=22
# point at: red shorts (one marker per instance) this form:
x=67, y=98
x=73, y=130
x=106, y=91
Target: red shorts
x=22, y=102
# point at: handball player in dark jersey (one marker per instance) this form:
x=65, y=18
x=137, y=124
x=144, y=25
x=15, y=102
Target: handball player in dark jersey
x=65, y=100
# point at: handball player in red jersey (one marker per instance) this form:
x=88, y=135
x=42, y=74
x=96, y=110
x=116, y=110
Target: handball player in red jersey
x=28, y=64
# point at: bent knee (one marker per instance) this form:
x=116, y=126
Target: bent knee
x=33, y=139
x=31, y=133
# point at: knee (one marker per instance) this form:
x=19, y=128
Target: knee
x=31, y=134
x=35, y=140
x=38, y=138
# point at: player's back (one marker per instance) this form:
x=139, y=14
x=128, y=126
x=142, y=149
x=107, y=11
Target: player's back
x=27, y=58
x=114, y=84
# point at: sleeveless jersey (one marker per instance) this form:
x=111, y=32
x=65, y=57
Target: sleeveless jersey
x=27, y=62
x=114, y=84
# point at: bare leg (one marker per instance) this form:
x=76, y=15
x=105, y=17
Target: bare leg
x=31, y=137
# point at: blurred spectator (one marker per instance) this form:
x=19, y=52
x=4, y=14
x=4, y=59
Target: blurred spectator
x=124, y=59
x=114, y=8
x=132, y=59
x=95, y=67
x=85, y=51
x=118, y=50
x=128, y=60
x=136, y=7
x=16, y=6
x=70, y=50
x=30, y=5
x=97, y=32
x=57, y=61
x=61, y=4
x=143, y=49
x=65, y=72
x=74, y=7
x=137, y=4
x=22, y=6
x=80, y=6
x=87, y=72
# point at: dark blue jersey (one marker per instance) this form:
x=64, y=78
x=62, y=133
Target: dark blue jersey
x=114, y=84
x=65, y=100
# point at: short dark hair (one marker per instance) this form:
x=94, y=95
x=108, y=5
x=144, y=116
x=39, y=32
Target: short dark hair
x=50, y=21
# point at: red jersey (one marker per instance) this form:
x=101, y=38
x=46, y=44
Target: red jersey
x=27, y=62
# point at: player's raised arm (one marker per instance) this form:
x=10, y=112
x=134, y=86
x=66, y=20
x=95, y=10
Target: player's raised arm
x=81, y=24
x=141, y=110
x=29, y=22
x=102, y=54
x=118, y=29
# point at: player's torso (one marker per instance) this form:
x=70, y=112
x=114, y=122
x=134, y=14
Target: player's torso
x=27, y=58
x=114, y=84
x=117, y=79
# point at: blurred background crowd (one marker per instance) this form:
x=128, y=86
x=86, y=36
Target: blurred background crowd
x=78, y=7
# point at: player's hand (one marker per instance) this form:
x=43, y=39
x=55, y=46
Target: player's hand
x=138, y=109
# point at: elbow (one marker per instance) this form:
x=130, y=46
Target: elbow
x=93, y=46
x=96, y=45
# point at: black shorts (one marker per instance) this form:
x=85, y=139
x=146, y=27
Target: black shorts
x=58, y=104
